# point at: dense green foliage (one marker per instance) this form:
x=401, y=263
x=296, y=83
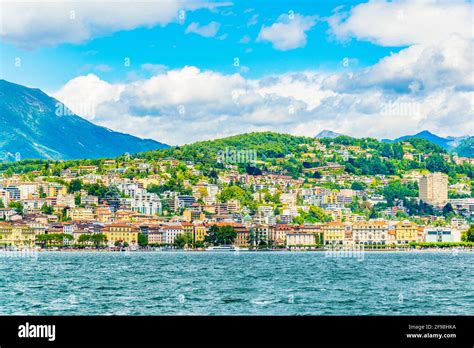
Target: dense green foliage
x=314, y=214
x=255, y=153
x=223, y=235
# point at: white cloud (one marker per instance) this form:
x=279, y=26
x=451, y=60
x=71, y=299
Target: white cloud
x=208, y=30
x=88, y=93
x=154, y=68
x=416, y=69
x=404, y=22
x=31, y=24
x=245, y=39
x=289, y=32
x=252, y=20
x=185, y=105
x=103, y=68
x=428, y=85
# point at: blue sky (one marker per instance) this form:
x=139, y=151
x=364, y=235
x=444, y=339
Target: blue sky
x=375, y=68
x=50, y=67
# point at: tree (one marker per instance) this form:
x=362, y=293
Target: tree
x=220, y=235
x=74, y=186
x=142, y=240
x=42, y=194
x=45, y=209
x=212, y=235
x=396, y=190
x=469, y=236
x=436, y=163
x=98, y=239
x=183, y=240
x=386, y=150
x=315, y=214
x=397, y=151
x=227, y=234
x=84, y=238
x=77, y=199
x=447, y=209
x=56, y=239
x=17, y=206
x=232, y=192
x=358, y=186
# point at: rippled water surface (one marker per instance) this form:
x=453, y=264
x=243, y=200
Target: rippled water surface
x=248, y=283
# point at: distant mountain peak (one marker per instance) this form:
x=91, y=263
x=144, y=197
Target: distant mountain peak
x=326, y=133
x=30, y=126
x=449, y=143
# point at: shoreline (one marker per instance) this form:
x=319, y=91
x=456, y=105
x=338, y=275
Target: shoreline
x=342, y=250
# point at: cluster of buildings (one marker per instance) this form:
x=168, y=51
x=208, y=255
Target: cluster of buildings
x=132, y=206
x=334, y=233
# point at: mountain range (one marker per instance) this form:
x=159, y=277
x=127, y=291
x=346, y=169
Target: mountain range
x=463, y=146
x=34, y=125
x=447, y=143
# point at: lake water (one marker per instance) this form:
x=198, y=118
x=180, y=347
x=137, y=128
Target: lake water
x=246, y=283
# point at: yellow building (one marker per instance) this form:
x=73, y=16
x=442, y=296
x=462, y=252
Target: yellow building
x=21, y=236
x=334, y=232
x=121, y=233
x=123, y=216
x=330, y=199
x=189, y=215
x=104, y=214
x=405, y=232
x=199, y=233
x=188, y=228
x=55, y=190
x=81, y=214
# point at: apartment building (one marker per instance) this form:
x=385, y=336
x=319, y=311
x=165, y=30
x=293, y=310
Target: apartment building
x=406, y=232
x=121, y=233
x=370, y=232
x=433, y=189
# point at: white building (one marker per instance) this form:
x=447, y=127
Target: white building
x=146, y=203
x=66, y=200
x=27, y=190
x=442, y=234
x=171, y=232
x=300, y=238
x=370, y=232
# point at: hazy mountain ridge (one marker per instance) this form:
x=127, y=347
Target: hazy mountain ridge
x=327, y=134
x=462, y=145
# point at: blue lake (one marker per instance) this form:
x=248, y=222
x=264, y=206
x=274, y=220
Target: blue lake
x=245, y=283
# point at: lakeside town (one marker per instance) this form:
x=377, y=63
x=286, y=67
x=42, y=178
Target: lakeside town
x=245, y=198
